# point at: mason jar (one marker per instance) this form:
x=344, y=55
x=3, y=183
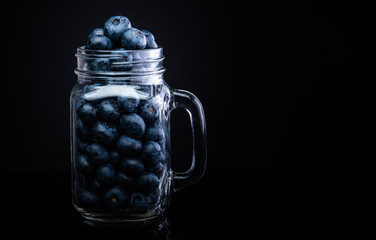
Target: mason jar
x=120, y=135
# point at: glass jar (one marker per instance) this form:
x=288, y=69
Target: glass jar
x=120, y=135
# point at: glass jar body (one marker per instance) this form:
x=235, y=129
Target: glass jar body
x=120, y=146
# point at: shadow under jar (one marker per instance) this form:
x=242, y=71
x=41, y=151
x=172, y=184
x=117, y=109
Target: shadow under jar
x=120, y=135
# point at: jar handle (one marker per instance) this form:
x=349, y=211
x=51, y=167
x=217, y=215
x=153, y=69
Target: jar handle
x=186, y=100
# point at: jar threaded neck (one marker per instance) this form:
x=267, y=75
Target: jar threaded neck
x=119, y=64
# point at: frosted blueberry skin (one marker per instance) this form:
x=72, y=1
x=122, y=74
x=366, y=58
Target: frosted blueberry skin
x=151, y=45
x=115, y=198
x=133, y=39
x=147, y=182
x=133, y=125
x=88, y=199
x=97, y=32
x=109, y=110
x=125, y=181
x=83, y=131
x=148, y=34
x=106, y=174
x=149, y=112
x=139, y=202
x=128, y=104
x=129, y=146
x=84, y=166
x=98, y=42
x=97, y=154
x=87, y=113
x=150, y=40
x=115, y=26
x=132, y=166
x=105, y=133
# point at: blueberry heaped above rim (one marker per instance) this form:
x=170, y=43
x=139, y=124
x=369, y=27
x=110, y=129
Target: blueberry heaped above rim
x=118, y=32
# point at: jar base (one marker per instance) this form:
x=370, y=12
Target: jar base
x=109, y=218
x=122, y=218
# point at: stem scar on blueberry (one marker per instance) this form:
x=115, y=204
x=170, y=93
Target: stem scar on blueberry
x=113, y=199
x=151, y=110
x=115, y=21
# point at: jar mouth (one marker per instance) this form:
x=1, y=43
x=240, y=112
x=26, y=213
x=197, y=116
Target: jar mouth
x=118, y=63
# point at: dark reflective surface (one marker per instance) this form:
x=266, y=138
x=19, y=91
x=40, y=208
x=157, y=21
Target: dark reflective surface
x=158, y=228
x=40, y=205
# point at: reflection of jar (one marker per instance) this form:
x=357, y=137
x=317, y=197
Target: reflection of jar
x=120, y=135
x=156, y=228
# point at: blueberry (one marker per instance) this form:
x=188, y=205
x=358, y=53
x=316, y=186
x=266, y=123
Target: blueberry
x=106, y=174
x=147, y=182
x=115, y=26
x=115, y=197
x=114, y=158
x=132, y=166
x=154, y=196
x=149, y=112
x=151, y=153
x=139, y=202
x=88, y=113
x=129, y=104
x=81, y=146
x=151, y=44
x=109, y=110
x=126, y=55
x=129, y=146
x=95, y=185
x=122, y=63
x=98, y=64
x=147, y=34
x=125, y=181
x=98, y=42
x=88, y=199
x=82, y=130
x=133, y=125
x=162, y=156
x=84, y=166
x=154, y=133
x=105, y=133
x=80, y=102
x=150, y=40
x=157, y=169
x=97, y=154
x=96, y=31
x=133, y=39
x=91, y=88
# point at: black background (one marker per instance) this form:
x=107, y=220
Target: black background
x=277, y=82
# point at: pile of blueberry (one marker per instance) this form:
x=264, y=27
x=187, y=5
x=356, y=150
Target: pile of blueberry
x=118, y=33
x=120, y=153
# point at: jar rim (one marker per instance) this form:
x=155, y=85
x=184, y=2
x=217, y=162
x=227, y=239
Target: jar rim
x=84, y=50
x=118, y=63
